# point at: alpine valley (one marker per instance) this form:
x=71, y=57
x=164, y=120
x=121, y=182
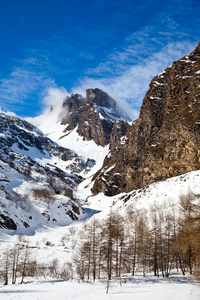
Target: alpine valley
x=82, y=169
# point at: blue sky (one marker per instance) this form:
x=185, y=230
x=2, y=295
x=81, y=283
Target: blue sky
x=62, y=46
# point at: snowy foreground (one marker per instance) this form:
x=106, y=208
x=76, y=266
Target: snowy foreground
x=138, y=288
x=56, y=242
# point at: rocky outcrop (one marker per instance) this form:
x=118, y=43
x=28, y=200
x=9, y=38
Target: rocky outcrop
x=120, y=128
x=165, y=140
x=94, y=116
x=7, y=223
x=73, y=107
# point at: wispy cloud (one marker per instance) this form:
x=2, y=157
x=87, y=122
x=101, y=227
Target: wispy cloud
x=20, y=84
x=126, y=73
x=133, y=74
x=54, y=96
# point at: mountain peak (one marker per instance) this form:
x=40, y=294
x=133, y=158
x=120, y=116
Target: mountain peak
x=100, y=98
x=196, y=51
x=93, y=116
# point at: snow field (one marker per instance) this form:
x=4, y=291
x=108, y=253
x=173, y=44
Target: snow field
x=138, y=288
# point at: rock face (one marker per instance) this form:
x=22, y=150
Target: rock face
x=165, y=140
x=120, y=128
x=94, y=116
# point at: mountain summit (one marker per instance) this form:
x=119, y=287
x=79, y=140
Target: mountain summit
x=94, y=116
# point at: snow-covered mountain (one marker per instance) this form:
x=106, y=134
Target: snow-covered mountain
x=88, y=125
x=37, y=178
x=94, y=116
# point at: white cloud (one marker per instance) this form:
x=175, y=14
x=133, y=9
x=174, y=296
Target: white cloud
x=8, y=113
x=52, y=108
x=124, y=74
x=131, y=82
x=54, y=97
x=19, y=85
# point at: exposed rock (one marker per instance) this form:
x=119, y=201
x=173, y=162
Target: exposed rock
x=72, y=215
x=120, y=128
x=73, y=106
x=7, y=223
x=90, y=163
x=94, y=116
x=165, y=140
x=100, y=98
x=76, y=166
x=68, y=192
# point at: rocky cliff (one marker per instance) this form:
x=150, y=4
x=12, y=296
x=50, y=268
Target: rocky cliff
x=94, y=116
x=165, y=140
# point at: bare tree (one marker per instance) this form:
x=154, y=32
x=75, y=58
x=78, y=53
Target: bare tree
x=24, y=263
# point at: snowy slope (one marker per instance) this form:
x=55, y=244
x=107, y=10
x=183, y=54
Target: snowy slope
x=37, y=178
x=30, y=162
x=22, y=212
x=50, y=124
x=56, y=244
x=24, y=139
x=164, y=194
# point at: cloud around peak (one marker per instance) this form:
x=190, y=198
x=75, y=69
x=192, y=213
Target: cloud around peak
x=54, y=96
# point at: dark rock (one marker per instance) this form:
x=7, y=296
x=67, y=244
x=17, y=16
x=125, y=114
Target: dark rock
x=119, y=130
x=7, y=223
x=26, y=225
x=76, y=166
x=75, y=209
x=100, y=98
x=94, y=116
x=46, y=215
x=72, y=215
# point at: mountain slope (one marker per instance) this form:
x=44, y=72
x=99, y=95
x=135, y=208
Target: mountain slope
x=88, y=125
x=37, y=178
x=92, y=118
x=165, y=140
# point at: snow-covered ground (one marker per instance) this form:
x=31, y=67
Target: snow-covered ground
x=138, y=288
x=57, y=242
